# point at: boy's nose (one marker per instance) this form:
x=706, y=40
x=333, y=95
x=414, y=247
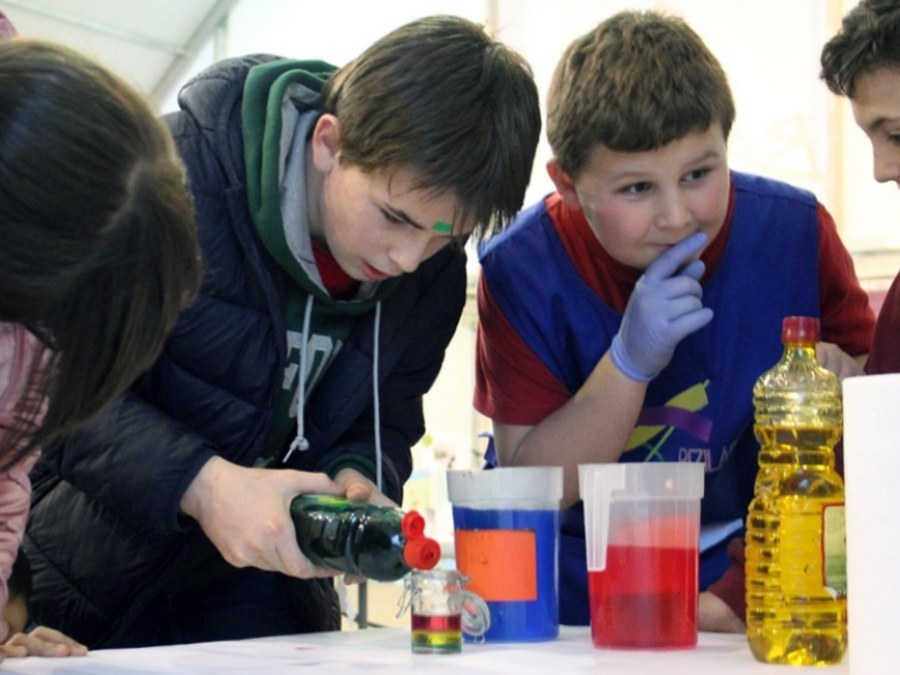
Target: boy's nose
x=673, y=212
x=886, y=166
x=408, y=254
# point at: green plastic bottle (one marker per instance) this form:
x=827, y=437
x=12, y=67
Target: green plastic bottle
x=796, y=554
x=376, y=542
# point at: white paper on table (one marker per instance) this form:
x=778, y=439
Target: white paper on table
x=386, y=651
x=872, y=497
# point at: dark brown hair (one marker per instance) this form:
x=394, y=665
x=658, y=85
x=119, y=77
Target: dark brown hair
x=439, y=96
x=869, y=39
x=98, y=244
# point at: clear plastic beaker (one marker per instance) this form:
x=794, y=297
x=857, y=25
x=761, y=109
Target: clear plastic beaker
x=506, y=536
x=642, y=525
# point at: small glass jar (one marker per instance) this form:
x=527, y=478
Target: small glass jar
x=440, y=610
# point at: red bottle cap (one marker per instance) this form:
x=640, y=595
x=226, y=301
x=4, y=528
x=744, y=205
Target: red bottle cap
x=412, y=524
x=800, y=329
x=421, y=553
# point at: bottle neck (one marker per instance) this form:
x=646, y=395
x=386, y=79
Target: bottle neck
x=800, y=349
x=799, y=356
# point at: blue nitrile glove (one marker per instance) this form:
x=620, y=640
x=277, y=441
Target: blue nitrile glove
x=664, y=308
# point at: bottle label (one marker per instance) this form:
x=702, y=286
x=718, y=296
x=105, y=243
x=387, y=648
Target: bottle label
x=834, y=550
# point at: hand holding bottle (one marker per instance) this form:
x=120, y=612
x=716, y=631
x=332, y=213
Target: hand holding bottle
x=359, y=488
x=245, y=513
x=664, y=308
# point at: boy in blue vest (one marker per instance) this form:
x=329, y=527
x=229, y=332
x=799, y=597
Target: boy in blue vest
x=862, y=62
x=626, y=316
x=332, y=205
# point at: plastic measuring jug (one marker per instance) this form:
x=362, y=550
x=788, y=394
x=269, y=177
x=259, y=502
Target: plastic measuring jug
x=506, y=536
x=642, y=527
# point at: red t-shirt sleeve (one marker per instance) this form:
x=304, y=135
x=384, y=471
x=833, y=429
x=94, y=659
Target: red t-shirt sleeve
x=730, y=586
x=512, y=386
x=885, y=354
x=847, y=318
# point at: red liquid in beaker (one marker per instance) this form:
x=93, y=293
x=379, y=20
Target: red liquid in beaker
x=645, y=598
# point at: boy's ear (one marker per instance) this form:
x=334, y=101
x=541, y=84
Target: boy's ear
x=564, y=185
x=326, y=143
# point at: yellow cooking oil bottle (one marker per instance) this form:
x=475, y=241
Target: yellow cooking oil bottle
x=796, y=579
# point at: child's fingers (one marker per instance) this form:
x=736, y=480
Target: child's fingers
x=52, y=635
x=669, y=262
x=43, y=641
x=12, y=651
x=20, y=645
x=694, y=269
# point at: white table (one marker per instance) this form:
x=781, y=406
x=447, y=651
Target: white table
x=386, y=650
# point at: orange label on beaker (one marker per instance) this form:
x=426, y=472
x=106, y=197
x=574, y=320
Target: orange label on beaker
x=501, y=563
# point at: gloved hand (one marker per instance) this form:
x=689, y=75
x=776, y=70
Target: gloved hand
x=664, y=308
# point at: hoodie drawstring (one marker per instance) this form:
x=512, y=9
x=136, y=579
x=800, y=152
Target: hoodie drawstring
x=375, y=398
x=300, y=443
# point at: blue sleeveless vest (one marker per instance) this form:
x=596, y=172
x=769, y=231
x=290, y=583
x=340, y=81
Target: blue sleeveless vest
x=700, y=407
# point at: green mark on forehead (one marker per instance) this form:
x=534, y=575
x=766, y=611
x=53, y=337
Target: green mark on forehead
x=442, y=227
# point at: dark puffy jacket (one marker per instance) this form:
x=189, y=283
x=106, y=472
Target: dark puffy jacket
x=106, y=530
